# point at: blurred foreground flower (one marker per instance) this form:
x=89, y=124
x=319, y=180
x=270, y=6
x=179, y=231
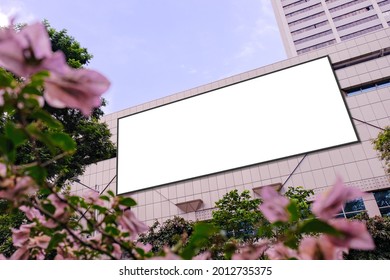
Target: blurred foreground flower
x=317, y=237
x=330, y=203
x=28, y=52
x=274, y=205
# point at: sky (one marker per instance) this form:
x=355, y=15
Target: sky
x=150, y=49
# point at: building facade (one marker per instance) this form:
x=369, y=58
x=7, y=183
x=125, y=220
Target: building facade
x=362, y=68
x=307, y=25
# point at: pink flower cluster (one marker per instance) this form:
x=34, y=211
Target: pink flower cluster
x=353, y=233
x=15, y=188
x=28, y=51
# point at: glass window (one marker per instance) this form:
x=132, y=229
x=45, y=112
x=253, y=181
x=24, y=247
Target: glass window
x=383, y=201
x=352, y=208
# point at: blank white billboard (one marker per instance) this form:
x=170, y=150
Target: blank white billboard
x=289, y=112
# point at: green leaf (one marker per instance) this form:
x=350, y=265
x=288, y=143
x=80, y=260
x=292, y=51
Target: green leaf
x=17, y=135
x=127, y=201
x=110, y=219
x=36, y=133
x=100, y=209
x=7, y=148
x=56, y=239
x=6, y=79
x=112, y=230
x=111, y=193
x=104, y=197
x=63, y=141
x=48, y=119
x=74, y=200
x=38, y=173
x=199, y=238
x=38, y=79
x=317, y=226
x=31, y=90
x=292, y=208
x=49, y=208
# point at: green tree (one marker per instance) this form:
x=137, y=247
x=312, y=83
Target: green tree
x=301, y=198
x=168, y=234
x=238, y=215
x=92, y=138
x=382, y=145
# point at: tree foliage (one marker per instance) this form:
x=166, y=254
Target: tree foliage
x=238, y=215
x=167, y=234
x=76, y=55
x=301, y=197
x=382, y=145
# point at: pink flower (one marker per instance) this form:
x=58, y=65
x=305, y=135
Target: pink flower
x=129, y=222
x=34, y=214
x=29, y=51
x=354, y=235
x=39, y=241
x=329, y=203
x=145, y=247
x=16, y=190
x=281, y=252
x=61, y=212
x=2, y=258
x=274, y=205
x=319, y=248
x=202, y=256
x=76, y=88
x=93, y=197
x=24, y=52
x=251, y=252
x=65, y=253
x=117, y=251
x=21, y=236
x=22, y=253
x=3, y=169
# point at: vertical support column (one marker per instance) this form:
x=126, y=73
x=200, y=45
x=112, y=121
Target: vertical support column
x=379, y=13
x=371, y=205
x=331, y=23
x=285, y=33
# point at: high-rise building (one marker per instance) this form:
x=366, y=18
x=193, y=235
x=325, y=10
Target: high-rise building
x=308, y=25
x=360, y=55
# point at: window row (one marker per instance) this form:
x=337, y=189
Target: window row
x=383, y=201
x=318, y=46
x=295, y=4
x=352, y=208
x=382, y=3
x=346, y=5
x=310, y=27
x=306, y=19
x=315, y=36
x=367, y=88
x=358, y=22
x=360, y=11
x=355, y=207
x=361, y=32
x=303, y=10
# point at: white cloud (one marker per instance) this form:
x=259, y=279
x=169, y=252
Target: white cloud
x=260, y=35
x=14, y=9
